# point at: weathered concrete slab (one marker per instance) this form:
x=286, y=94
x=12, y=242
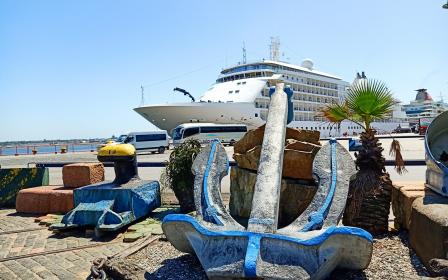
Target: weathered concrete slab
x=402, y=198
x=428, y=230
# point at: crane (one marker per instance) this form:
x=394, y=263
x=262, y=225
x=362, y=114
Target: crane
x=185, y=93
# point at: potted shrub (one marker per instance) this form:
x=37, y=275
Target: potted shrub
x=369, y=196
x=178, y=176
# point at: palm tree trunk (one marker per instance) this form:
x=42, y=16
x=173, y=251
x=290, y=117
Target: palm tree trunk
x=369, y=197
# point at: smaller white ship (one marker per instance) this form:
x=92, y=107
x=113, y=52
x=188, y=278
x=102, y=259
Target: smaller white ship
x=424, y=107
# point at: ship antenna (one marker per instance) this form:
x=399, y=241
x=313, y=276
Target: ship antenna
x=274, y=48
x=142, y=100
x=244, y=53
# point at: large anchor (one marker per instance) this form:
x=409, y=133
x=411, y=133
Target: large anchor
x=311, y=247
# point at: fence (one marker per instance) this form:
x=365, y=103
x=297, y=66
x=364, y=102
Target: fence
x=47, y=148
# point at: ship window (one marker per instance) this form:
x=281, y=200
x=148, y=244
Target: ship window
x=237, y=91
x=230, y=91
x=244, y=83
x=239, y=83
x=256, y=115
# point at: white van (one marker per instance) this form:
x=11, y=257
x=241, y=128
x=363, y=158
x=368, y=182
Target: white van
x=150, y=141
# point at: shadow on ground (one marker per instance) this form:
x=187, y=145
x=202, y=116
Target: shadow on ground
x=180, y=268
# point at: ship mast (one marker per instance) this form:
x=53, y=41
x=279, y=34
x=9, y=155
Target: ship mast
x=274, y=48
x=244, y=53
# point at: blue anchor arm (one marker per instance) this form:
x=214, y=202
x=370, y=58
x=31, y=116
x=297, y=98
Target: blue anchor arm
x=209, y=167
x=333, y=167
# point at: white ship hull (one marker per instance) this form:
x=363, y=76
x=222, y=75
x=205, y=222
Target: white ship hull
x=168, y=116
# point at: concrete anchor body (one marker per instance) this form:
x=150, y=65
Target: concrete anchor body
x=309, y=248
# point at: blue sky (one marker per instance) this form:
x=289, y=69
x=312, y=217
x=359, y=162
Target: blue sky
x=73, y=69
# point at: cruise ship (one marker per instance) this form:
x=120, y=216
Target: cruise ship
x=424, y=107
x=241, y=95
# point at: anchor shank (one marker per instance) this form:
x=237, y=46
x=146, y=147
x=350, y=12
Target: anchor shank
x=265, y=203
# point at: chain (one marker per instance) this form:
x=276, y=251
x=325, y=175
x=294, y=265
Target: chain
x=96, y=271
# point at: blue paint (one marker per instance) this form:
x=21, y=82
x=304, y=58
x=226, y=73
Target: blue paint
x=354, y=144
x=289, y=93
x=316, y=240
x=209, y=212
x=316, y=219
x=252, y=253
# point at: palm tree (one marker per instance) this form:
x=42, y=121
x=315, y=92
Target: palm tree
x=368, y=202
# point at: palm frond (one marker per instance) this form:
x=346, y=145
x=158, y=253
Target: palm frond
x=370, y=99
x=395, y=151
x=336, y=113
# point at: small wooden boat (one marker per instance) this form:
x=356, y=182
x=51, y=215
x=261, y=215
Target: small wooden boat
x=436, y=150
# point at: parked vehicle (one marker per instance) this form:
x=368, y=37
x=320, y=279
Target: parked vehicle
x=204, y=132
x=150, y=141
x=423, y=124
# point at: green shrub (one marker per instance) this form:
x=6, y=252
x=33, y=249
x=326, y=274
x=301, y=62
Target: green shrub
x=178, y=176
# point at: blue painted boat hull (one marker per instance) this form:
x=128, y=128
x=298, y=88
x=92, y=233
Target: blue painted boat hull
x=436, y=145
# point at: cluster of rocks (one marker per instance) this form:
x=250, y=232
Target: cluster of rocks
x=298, y=187
x=300, y=148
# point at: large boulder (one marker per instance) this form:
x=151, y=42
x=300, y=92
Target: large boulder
x=300, y=148
x=295, y=196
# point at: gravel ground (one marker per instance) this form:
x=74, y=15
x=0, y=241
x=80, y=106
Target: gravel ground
x=163, y=261
x=392, y=259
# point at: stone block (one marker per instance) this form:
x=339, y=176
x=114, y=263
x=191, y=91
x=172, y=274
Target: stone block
x=82, y=174
x=254, y=138
x=428, y=230
x=295, y=196
x=44, y=200
x=402, y=199
x=296, y=164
